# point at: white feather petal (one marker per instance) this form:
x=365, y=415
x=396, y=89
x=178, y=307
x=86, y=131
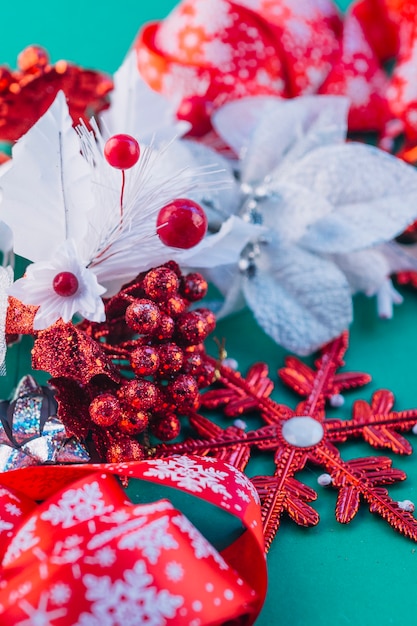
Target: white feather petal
x=46, y=192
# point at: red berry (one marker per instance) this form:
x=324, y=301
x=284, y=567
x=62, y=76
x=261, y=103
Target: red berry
x=184, y=393
x=171, y=358
x=194, y=287
x=122, y=151
x=124, y=449
x=144, y=360
x=208, y=316
x=143, y=316
x=160, y=283
x=139, y=393
x=174, y=306
x=197, y=111
x=65, y=284
x=192, y=328
x=133, y=422
x=104, y=409
x=181, y=224
x=165, y=329
x=166, y=428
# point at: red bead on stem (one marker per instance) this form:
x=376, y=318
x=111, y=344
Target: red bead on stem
x=122, y=151
x=65, y=284
x=181, y=224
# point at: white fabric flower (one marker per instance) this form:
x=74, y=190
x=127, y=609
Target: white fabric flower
x=36, y=287
x=326, y=205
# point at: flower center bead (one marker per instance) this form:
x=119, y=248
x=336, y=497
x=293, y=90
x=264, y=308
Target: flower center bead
x=65, y=284
x=181, y=224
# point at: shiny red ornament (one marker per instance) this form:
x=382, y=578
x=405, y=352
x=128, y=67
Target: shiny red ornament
x=104, y=410
x=160, y=283
x=181, y=224
x=65, y=284
x=143, y=316
x=122, y=151
x=27, y=93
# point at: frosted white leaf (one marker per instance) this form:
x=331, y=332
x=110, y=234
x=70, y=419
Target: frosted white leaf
x=374, y=196
x=228, y=279
x=6, y=279
x=138, y=110
x=291, y=209
x=265, y=130
x=300, y=300
x=56, y=195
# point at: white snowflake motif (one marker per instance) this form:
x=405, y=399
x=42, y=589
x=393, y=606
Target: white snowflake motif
x=130, y=602
x=358, y=90
x=13, y=509
x=5, y=525
x=174, y=571
x=189, y=474
x=151, y=539
x=23, y=541
x=105, y=557
x=244, y=481
x=68, y=551
x=154, y=507
x=60, y=593
x=243, y=495
x=40, y=616
x=77, y=505
x=218, y=53
x=213, y=17
x=202, y=548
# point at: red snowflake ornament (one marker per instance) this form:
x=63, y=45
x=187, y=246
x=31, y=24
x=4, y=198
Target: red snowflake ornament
x=306, y=435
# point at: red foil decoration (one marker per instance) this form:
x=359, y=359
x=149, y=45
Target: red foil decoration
x=26, y=94
x=86, y=553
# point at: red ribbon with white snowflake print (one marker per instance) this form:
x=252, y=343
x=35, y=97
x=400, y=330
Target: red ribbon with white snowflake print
x=88, y=557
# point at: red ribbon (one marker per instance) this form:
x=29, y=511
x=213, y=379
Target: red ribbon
x=88, y=557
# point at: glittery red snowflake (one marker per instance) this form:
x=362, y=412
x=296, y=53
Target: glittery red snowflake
x=305, y=435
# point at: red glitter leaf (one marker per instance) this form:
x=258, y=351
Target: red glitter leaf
x=63, y=350
x=27, y=93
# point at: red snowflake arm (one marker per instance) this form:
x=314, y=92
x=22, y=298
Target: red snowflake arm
x=376, y=424
x=364, y=478
x=282, y=493
x=323, y=382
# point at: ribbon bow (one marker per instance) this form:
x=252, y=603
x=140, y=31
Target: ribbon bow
x=88, y=557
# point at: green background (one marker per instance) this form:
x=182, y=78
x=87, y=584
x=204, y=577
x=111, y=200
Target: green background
x=364, y=573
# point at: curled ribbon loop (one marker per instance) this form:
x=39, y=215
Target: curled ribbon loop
x=88, y=557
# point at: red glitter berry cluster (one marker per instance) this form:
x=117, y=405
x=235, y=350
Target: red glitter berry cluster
x=151, y=333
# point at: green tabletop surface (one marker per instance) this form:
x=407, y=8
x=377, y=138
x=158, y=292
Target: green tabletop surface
x=364, y=573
